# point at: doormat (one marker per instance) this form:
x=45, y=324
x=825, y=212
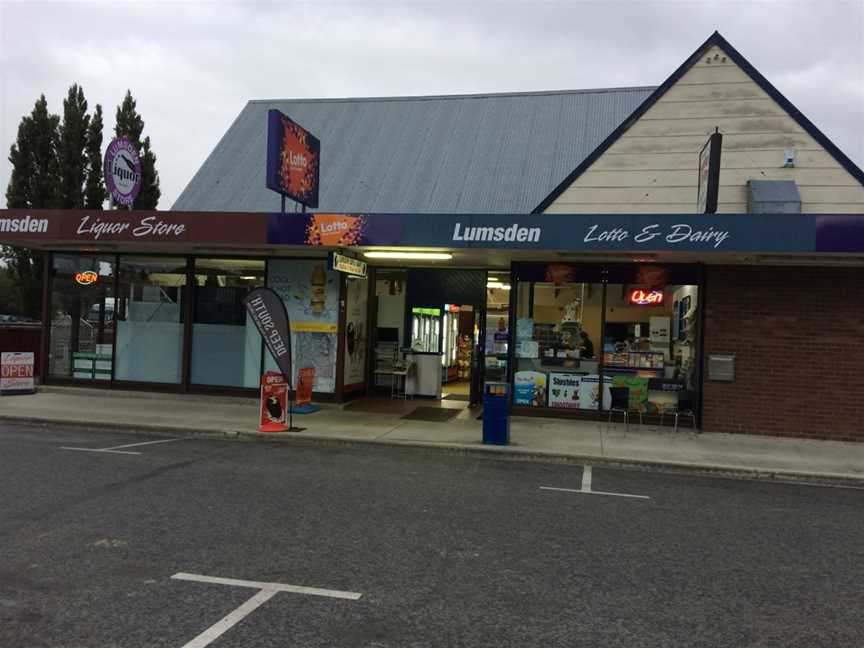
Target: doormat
x=432, y=414
x=457, y=397
x=306, y=409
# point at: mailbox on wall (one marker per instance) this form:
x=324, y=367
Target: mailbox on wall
x=721, y=367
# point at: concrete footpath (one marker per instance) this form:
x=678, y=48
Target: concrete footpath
x=381, y=422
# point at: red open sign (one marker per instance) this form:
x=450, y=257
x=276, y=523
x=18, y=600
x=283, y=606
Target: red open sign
x=641, y=297
x=86, y=278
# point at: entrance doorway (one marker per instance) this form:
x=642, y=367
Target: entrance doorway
x=430, y=321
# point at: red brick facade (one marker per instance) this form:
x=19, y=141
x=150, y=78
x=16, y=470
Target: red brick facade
x=798, y=338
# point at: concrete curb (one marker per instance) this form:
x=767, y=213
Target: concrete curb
x=507, y=453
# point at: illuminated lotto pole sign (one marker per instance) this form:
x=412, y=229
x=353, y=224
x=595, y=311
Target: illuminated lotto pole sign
x=293, y=159
x=640, y=297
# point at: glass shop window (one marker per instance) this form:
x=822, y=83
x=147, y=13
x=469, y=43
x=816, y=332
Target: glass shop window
x=150, y=307
x=226, y=346
x=82, y=316
x=557, y=340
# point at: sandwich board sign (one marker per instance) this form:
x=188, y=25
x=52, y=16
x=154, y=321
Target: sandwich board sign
x=16, y=372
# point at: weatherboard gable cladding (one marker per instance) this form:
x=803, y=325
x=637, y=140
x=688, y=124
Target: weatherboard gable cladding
x=650, y=164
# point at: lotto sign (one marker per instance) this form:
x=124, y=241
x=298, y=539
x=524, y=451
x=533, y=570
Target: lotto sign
x=16, y=372
x=122, y=171
x=274, y=403
x=293, y=159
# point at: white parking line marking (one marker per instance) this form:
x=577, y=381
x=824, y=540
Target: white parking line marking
x=100, y=450
x=230, y=620
x=117, y=449
x=133, y=445
x=265, y=592
x=276, y=587
x=586, y=487
x=586, y=479
x=593, y=492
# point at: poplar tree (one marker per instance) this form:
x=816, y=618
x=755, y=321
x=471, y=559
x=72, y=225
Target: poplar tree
x=95, y=193
x=130, y=125
x=33, y=185
x=72, y=149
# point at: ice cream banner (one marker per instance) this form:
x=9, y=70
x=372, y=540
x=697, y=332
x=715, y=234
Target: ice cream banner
x=310, y=292
x=529, y=389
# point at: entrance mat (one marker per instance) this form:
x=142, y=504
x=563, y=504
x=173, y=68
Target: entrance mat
x=306, y=409
x=457, y=397
x=432, y=414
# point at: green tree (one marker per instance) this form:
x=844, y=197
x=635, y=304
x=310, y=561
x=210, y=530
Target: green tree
x=33, y=185
x=150, y=192
x=94, y=192
x=72, y=149
x=10, y=296
x=130, y=125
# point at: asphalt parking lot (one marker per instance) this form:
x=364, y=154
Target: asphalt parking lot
x=196, y=542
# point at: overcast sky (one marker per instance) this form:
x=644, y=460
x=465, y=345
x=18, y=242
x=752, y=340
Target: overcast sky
x=193, y=65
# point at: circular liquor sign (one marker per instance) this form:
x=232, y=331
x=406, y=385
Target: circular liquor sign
x=122, y=171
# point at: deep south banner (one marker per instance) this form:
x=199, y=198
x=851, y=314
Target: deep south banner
x=577, y=232
x=268, y=312
x=293, y=159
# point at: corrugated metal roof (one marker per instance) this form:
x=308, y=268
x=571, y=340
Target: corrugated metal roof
x=493, y=153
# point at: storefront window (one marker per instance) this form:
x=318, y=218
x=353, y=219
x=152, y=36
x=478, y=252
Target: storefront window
x=650, y=337
x=558, y=324
x=311, y=294
x=583, y=330
x=82, y=316
x=150, y=319
x=649, y=345
x=226, y=346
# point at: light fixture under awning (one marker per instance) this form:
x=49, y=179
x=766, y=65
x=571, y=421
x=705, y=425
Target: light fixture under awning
x=419, y=256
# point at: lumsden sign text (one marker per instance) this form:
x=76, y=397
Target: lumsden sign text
x=497, y=234
x=26, y=225
x=679, y=233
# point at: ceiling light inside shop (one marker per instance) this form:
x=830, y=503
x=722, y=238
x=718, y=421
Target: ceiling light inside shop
x=419, y=256
x=498, y=285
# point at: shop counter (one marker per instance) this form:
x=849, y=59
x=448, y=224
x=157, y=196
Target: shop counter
x=556, y=365
x=425, y=377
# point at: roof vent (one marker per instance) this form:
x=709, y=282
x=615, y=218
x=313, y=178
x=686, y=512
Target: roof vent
x=773, y=197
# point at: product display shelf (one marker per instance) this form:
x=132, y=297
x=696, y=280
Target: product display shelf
x=386, y=355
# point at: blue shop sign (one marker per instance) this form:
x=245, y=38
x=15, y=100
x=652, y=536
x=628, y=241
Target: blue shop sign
x=802, y=233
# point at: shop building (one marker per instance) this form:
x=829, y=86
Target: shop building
x=572, y=262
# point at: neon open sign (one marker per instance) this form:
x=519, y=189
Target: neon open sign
x=641, y=297
x=86, y=278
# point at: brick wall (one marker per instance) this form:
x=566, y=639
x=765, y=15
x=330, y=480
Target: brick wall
x=798, y=338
